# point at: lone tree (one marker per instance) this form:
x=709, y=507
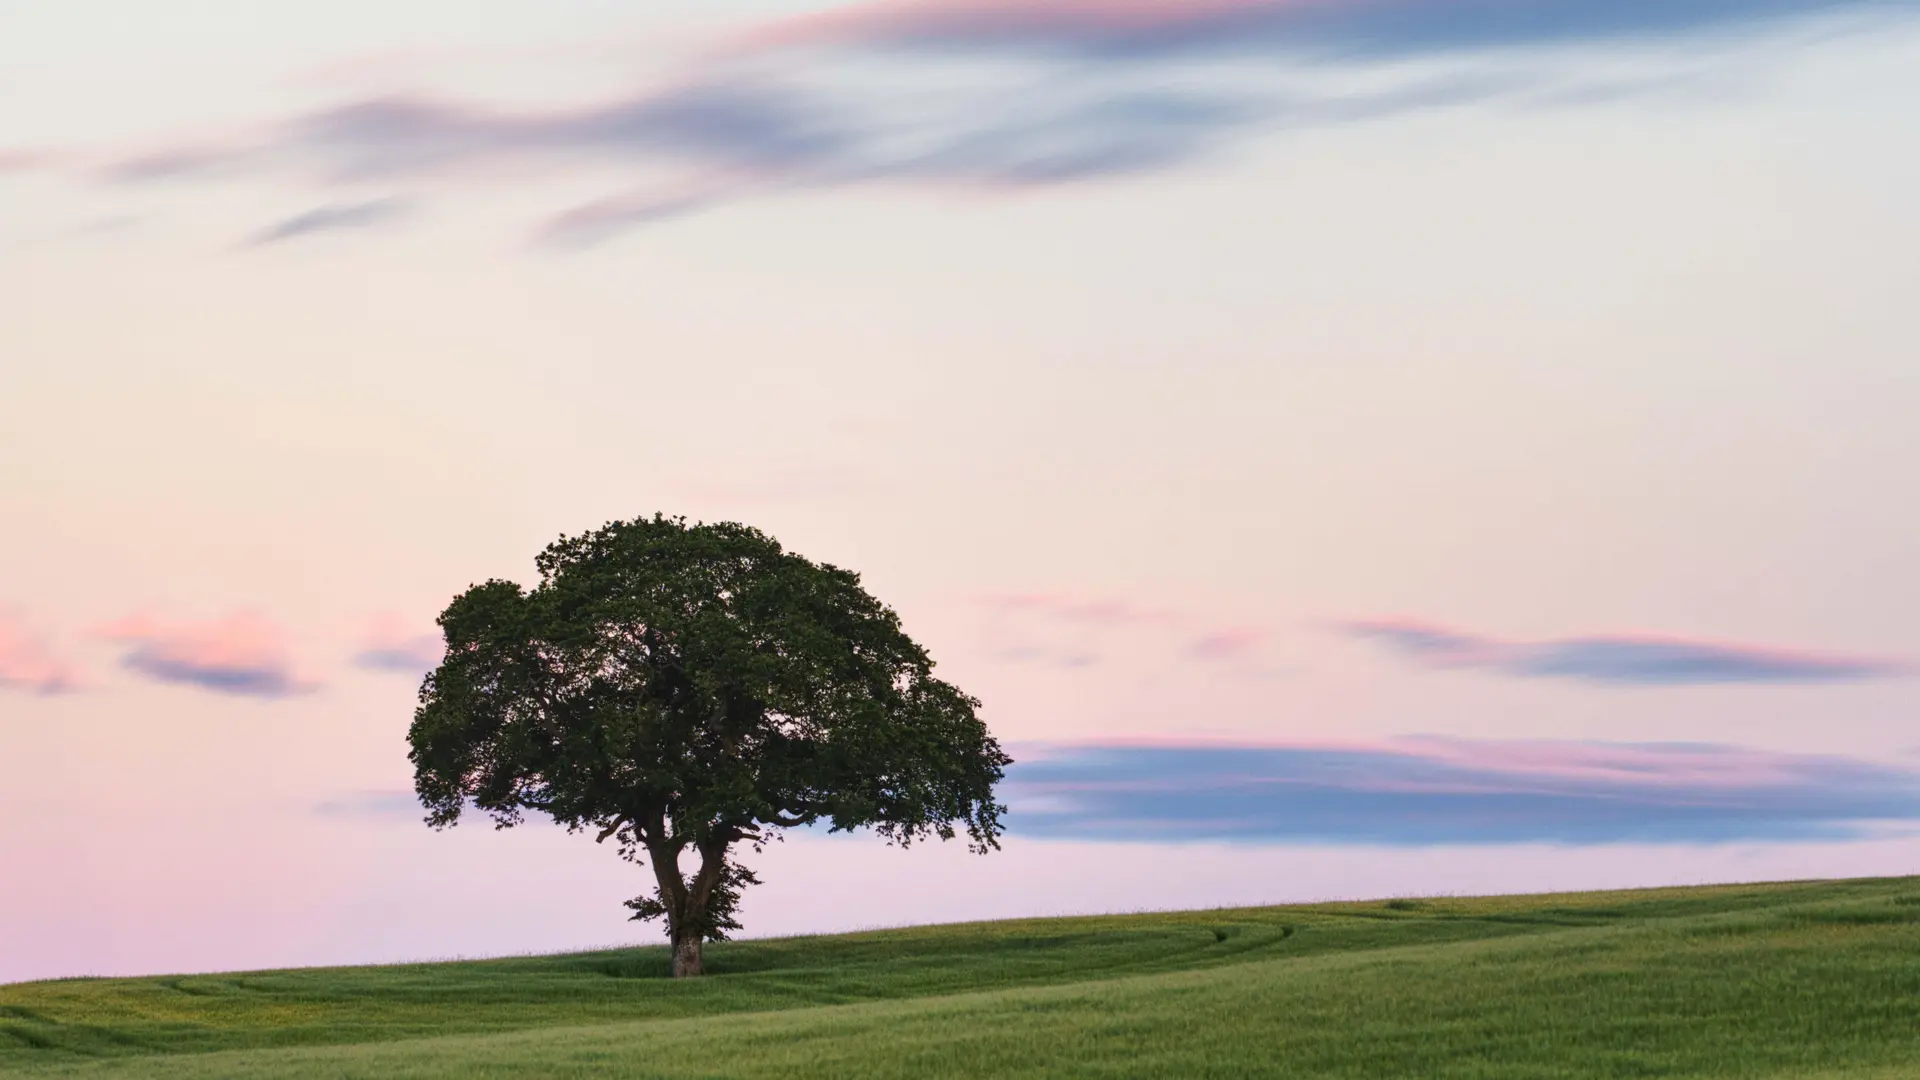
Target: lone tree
x=676, y=687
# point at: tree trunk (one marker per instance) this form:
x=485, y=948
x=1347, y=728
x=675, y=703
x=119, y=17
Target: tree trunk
x=686, y=955
x=686, y=901
x=683, y=924
x=689, y=929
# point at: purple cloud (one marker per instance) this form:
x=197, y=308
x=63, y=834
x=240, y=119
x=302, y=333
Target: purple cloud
x=372, y=804
x=1450, y=791
x=989, y=94
x=1620, y=660
x=388, y=646
x=590, y=223
x=178, y=162
x=241, y=654
x=332, y=217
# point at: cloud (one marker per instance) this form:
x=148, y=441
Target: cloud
x=590, y=223
x=387, y=645
x=1419, y=792
x=1061, y=631
x=28, y=663
x=794, y=131
x=177, y=162
x=332, y=217
x=107, y=225
x=992, y=94
x=1066, y=631
x=1620, y=660
x=22, y=161
x=372, y=804
x=1067, y=657
x=1448, y=791
x=1228, y=643
x=1132, y=30
x=241, y=654
x=1092, y=611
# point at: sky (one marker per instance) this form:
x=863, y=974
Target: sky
x=1352, y=448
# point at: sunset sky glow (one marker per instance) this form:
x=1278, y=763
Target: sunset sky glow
x=1351, y=447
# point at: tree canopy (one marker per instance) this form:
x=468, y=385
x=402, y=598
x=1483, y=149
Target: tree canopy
x=672, y=687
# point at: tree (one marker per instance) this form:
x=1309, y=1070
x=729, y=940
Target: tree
x=673, y=687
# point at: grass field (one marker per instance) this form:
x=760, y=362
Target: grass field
x=1796, y=980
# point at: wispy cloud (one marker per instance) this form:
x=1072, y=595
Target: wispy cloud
x=993, y=94
x=27, y=662
x=1068, y=631
x=1228, y=643
x=242, y=654
x=1086, y=610
x=1425, y=792
x=1130, y=30
x=372, y=804
x=1065, y=657
x=389, y=645
x=333, y=217
x=180, y=162
x=592, y=222
x=1620, y=660
x=16, y=160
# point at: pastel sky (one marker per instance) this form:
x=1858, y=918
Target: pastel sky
x=1351, y=447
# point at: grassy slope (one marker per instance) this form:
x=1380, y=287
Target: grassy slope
x=1796, y=980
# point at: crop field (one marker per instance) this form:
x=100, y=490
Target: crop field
x=1802, y=980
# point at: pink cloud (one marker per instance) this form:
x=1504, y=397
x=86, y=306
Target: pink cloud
x=1124, y=31
x=26, y=160
x=1228, y=643
x=949, y=19
x=1071, y=631
x=389, y=644
x=242, y=653
x=1099, y=611
x=28, y=663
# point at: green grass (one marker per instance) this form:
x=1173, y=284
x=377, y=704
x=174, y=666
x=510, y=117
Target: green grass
x=1800, y=980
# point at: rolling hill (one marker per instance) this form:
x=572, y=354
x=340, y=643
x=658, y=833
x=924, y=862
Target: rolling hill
x=1801, y=980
